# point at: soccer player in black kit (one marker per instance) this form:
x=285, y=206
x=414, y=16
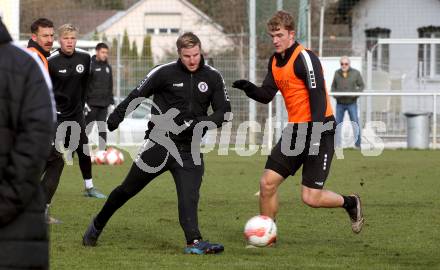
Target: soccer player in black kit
x=69, y=69
x=187, y=88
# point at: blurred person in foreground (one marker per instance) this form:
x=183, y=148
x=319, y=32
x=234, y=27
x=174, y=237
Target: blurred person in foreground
x=27, y=121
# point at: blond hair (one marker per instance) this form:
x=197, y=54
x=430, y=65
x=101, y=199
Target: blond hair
x=188, y=40
x=67, y=28
x=281, y=19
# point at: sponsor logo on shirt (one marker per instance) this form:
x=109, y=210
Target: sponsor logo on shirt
x=203, y=87
x=80, y=68
x=178, y=84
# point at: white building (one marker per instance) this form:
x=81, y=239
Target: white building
x=164, y=21
x=406, y=67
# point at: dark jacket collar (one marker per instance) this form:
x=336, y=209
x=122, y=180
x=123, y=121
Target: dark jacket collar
x=349, y=70
x=183, y=67
x=281, y=61
x=65, y=55
x=33, y=44
x=4, y=34
x=98, y=61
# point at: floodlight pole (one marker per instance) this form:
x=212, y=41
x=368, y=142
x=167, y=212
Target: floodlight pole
x=118, y=81
x=252, y=66
x=277, y=106
x=321, y=27
x=369, y=81
x=309, y=25
x=279, y=4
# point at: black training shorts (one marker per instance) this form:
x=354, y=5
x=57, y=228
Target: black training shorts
x=316, y=164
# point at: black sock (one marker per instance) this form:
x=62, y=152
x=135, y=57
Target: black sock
x=349, y=202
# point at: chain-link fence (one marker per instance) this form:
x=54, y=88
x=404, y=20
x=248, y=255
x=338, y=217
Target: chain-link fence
x=142, y=34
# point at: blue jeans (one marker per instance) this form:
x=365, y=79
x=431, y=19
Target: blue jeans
x=353, y=114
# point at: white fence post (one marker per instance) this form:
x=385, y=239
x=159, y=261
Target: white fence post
x=434, y=124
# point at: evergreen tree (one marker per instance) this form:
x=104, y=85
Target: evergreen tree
x=134, y=51
x=146, y=54
x=95, y=35
x=125, y=48
x=104, y=38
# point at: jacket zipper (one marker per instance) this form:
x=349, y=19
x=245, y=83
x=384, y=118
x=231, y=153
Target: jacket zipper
x=191, y=94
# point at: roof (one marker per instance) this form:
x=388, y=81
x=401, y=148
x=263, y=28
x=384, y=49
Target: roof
x=85, y=19
x=121, y=14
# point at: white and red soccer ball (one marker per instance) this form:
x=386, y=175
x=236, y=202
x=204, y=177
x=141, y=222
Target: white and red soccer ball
x=111, y=156
x=114, y=157
x=260, y=231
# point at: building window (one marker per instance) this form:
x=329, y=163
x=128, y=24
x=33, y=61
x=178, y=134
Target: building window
x=163, y=31
x=429, y=54
x=174, y=30
x=381, y=54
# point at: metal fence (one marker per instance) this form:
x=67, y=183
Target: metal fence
x=142, y=34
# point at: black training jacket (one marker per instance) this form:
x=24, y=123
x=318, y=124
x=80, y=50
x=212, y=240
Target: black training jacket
x=69, y=76
x=100, y=88
x=27, y=117
x=172, y=85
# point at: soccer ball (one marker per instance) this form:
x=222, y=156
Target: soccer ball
x=260, y=231
x=114, y=157
x=100, y=157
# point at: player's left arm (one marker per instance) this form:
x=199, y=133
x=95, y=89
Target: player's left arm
x=360, y=82
x=308, y=68
x=220, y=102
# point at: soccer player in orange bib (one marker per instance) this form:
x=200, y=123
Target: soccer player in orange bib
x=297, y=73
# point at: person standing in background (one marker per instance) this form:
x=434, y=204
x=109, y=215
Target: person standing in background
x=41, y=43
x=347, y=79
x=69, y=70
x=100, y=92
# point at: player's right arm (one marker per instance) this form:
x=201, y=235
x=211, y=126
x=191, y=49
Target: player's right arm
x=144, y=89
x=263, y=94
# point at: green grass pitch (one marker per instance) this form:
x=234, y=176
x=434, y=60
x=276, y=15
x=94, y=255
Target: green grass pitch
x=400, y=190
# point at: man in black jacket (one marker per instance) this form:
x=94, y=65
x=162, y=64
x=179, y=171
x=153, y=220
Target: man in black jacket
x=42, y=38
x=69, y=69
x=100, y=92
x=182, y=90
x=26, y=128
x=41, y=43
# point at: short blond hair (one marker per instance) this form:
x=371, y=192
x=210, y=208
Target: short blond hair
x=188, y=40
x=281, y=19
x=67, y=28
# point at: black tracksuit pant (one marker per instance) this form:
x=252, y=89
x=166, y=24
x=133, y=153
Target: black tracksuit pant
x=188, y=179
x=52, y=174
x=55, y=163
x=77, y=141
x=98, y=114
